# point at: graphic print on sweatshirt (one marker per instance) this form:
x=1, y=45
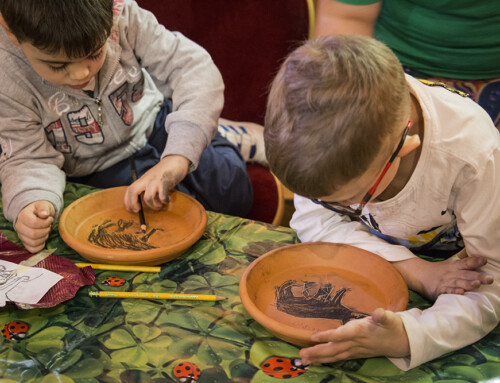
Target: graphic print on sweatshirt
x=86, y=129
x=83, y=125
x=119, y=100
x=138, y=89
x=57, y=137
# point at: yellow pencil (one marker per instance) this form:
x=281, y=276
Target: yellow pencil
x=134, y=294
x=142, y=269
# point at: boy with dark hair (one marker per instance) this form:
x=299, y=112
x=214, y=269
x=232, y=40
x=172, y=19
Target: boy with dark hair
x=384, y=162
x=87, y=84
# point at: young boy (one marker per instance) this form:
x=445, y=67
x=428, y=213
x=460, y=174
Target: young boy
x=384, y=162
x=87, y=84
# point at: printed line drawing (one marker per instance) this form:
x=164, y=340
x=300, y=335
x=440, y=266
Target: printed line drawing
x=10, y=282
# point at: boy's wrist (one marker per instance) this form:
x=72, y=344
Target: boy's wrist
x=411, y=270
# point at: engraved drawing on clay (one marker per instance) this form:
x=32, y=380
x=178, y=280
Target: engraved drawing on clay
x=112, y=235
x=306, y=299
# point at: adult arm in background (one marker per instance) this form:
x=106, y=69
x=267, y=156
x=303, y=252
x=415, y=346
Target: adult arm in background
x=334, y=17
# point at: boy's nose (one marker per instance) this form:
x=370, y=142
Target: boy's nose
x=79, y=72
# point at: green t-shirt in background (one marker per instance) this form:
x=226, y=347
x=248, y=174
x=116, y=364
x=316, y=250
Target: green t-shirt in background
x=448, y=38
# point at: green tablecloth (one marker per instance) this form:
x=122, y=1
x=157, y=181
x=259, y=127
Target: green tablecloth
x=88, y=340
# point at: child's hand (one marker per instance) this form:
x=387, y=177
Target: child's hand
x=455, y=275
x=156, y=183
x=382, y=334
x=34, y=223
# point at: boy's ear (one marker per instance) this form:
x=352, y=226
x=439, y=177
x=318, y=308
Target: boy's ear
x=411, y=143
x=13, y=39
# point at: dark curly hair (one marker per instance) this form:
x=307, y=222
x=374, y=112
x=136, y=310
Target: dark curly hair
x=74, y=27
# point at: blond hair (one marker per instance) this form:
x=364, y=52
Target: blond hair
x=331, y=108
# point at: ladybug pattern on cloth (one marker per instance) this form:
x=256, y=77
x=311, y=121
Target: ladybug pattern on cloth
x=114, y=281
x=283, y=368
x=15, y=330
x=187, y=372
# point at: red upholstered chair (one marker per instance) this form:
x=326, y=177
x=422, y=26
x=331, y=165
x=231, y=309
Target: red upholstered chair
x=268, y=195
x=247, y=39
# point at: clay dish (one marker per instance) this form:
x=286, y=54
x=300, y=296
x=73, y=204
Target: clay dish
x=99, y=228
x=299, y=289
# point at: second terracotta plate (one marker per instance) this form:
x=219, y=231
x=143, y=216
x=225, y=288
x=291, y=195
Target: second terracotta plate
x=299, y=289
x=99, y=228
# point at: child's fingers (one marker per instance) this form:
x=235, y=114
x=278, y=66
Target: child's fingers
x=33, y=240
x=164, y=191
x=348, y=333
x=473, y=279
x=44, y=210
x=169, y=180
x=130, y=200
x=455, y=290
x=42, y=213
x=466, y=277
x=382, y=333
x=322, y=336
x=468, y=282
x=471, y=263
x=29, y=222
x=486, y=279
x=38, y=229
x=151, y=196
x=157, y=193
x=43, y=221
x=324, y=353
x=33, y=249
x=380, y=316
x=334, y=335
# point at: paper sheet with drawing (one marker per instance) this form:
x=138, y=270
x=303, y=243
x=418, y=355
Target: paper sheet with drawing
x=23, y=284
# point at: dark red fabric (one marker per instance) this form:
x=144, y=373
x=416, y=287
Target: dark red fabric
x=247, y=39
x=65, y=289
x=265, y=193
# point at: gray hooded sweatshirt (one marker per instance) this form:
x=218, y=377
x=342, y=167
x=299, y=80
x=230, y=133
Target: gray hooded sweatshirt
x=48, y=131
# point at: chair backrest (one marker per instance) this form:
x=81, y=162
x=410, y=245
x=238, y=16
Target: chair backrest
x=247, y=39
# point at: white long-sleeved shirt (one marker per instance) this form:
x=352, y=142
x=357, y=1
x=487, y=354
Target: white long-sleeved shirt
x=457, y=179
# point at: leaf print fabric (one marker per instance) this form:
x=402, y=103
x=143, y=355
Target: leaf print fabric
x=89, y=340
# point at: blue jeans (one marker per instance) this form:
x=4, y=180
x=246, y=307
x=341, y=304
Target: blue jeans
x=220, y=183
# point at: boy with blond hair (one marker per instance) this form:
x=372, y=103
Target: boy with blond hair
x=398, y=167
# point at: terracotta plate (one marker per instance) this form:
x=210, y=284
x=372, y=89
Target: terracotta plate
x=99, y=228
x=299, y=289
